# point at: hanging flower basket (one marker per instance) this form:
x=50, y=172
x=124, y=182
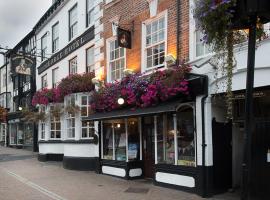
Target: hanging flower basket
x=32, y=116
x=46, y=96
x=139, y=90
x=56, y=110
x=72, y=109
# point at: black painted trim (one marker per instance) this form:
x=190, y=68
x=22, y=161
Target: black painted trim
x=127, y=166
x=80, y=163
x=86, y=141
x=50, y=157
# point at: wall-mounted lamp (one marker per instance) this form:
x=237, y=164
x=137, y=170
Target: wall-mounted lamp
x=120, y=101
x=96, y=81
x=128, y=71
x=20, y=108
x=170, y=60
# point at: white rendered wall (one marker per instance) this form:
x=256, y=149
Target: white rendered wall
x=45, y=148
x=81, y=150
x=175, y=179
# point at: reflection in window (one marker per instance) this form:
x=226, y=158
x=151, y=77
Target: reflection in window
x=120, y=140
x=114, y=139
x=133, y=138
x=88, y=129
x=165, y=135
x=185, y=135
x=201, y=48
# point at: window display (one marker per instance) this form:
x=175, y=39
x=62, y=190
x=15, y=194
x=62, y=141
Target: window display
x=115, y=141
x=185, y=136
x=165, y=139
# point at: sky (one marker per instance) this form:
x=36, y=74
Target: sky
x=18, y=17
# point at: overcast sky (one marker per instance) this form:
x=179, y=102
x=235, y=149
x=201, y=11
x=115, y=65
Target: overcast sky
x=18, y=17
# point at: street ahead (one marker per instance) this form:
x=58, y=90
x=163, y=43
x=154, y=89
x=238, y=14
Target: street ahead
x=22, y=177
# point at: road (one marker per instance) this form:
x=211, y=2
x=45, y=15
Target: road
x=23, y=177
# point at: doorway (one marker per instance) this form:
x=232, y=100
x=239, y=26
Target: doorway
x=222, y=156
x=148, y=130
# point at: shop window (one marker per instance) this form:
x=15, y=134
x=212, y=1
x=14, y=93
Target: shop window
x=20, y=134
x=28, y=134
x=165, y=139
x=117, y=61
x=85, y=105
x=88, y=129
x=55, y=126
x=116, y=135
x=185, y=136
x=133, y=139
x=13, y=133
x=155, y=43
x=55, y=77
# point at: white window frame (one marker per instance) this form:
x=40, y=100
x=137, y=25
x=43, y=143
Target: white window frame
x=69, y=117
x=54, y=129
x=44, y=82
x=108, y=55
x=42, y=130
x=73, y=69
x=71, y=28
x=44, y=46
x=87, y=105
x=144, y=48
x=55, y=38
x=55, y=77
x=90, y=9
x=88, y=127
x=92, y=64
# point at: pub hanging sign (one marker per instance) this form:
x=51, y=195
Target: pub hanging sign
x=22, y=64
x=124, y=38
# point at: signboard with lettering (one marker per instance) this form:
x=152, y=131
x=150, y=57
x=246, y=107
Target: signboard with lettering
x=71, y=47
x=124, y=38
x=22, y=64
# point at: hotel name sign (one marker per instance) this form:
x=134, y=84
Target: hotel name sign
x=74, y=45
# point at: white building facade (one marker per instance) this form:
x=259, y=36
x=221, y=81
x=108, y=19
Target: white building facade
x=69, y=41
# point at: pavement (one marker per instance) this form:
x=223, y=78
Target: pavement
x=23, y=177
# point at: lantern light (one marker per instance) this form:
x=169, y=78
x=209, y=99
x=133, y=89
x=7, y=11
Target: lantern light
x=120, y=101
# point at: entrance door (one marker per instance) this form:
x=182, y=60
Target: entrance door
x=148, y=146
x=222, y=156
x=260, y=183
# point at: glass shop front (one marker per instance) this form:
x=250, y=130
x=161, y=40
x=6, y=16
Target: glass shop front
x=134, y=146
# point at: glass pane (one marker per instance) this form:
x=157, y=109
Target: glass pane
x=133, y=139
x=107, y=141
x=52, y=134
x=154, y=26
x=185, y=136
x=84, y=100
x=120, y=139
x=148, y=40
x=83, y=111
x=165, y=139
x=58, y=134
x=161, y=23
x=149, y=62
x=148, y=29
x=84, y=132
x=58, y=126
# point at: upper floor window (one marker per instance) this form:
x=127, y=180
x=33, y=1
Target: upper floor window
x=90, y=63
x=90, y=13
x=55, y=37
x=201, y=47
x=43, y=47
x=73, y=22
x=54, y=77
x=117, y=61
x=44, y=83
x=73, y=65
x=155, y=43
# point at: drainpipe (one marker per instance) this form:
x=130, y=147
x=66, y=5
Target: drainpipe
x=204, y=188
x=178, y=19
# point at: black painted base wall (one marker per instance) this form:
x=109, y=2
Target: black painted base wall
x=50, y=157
x=81, y=163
